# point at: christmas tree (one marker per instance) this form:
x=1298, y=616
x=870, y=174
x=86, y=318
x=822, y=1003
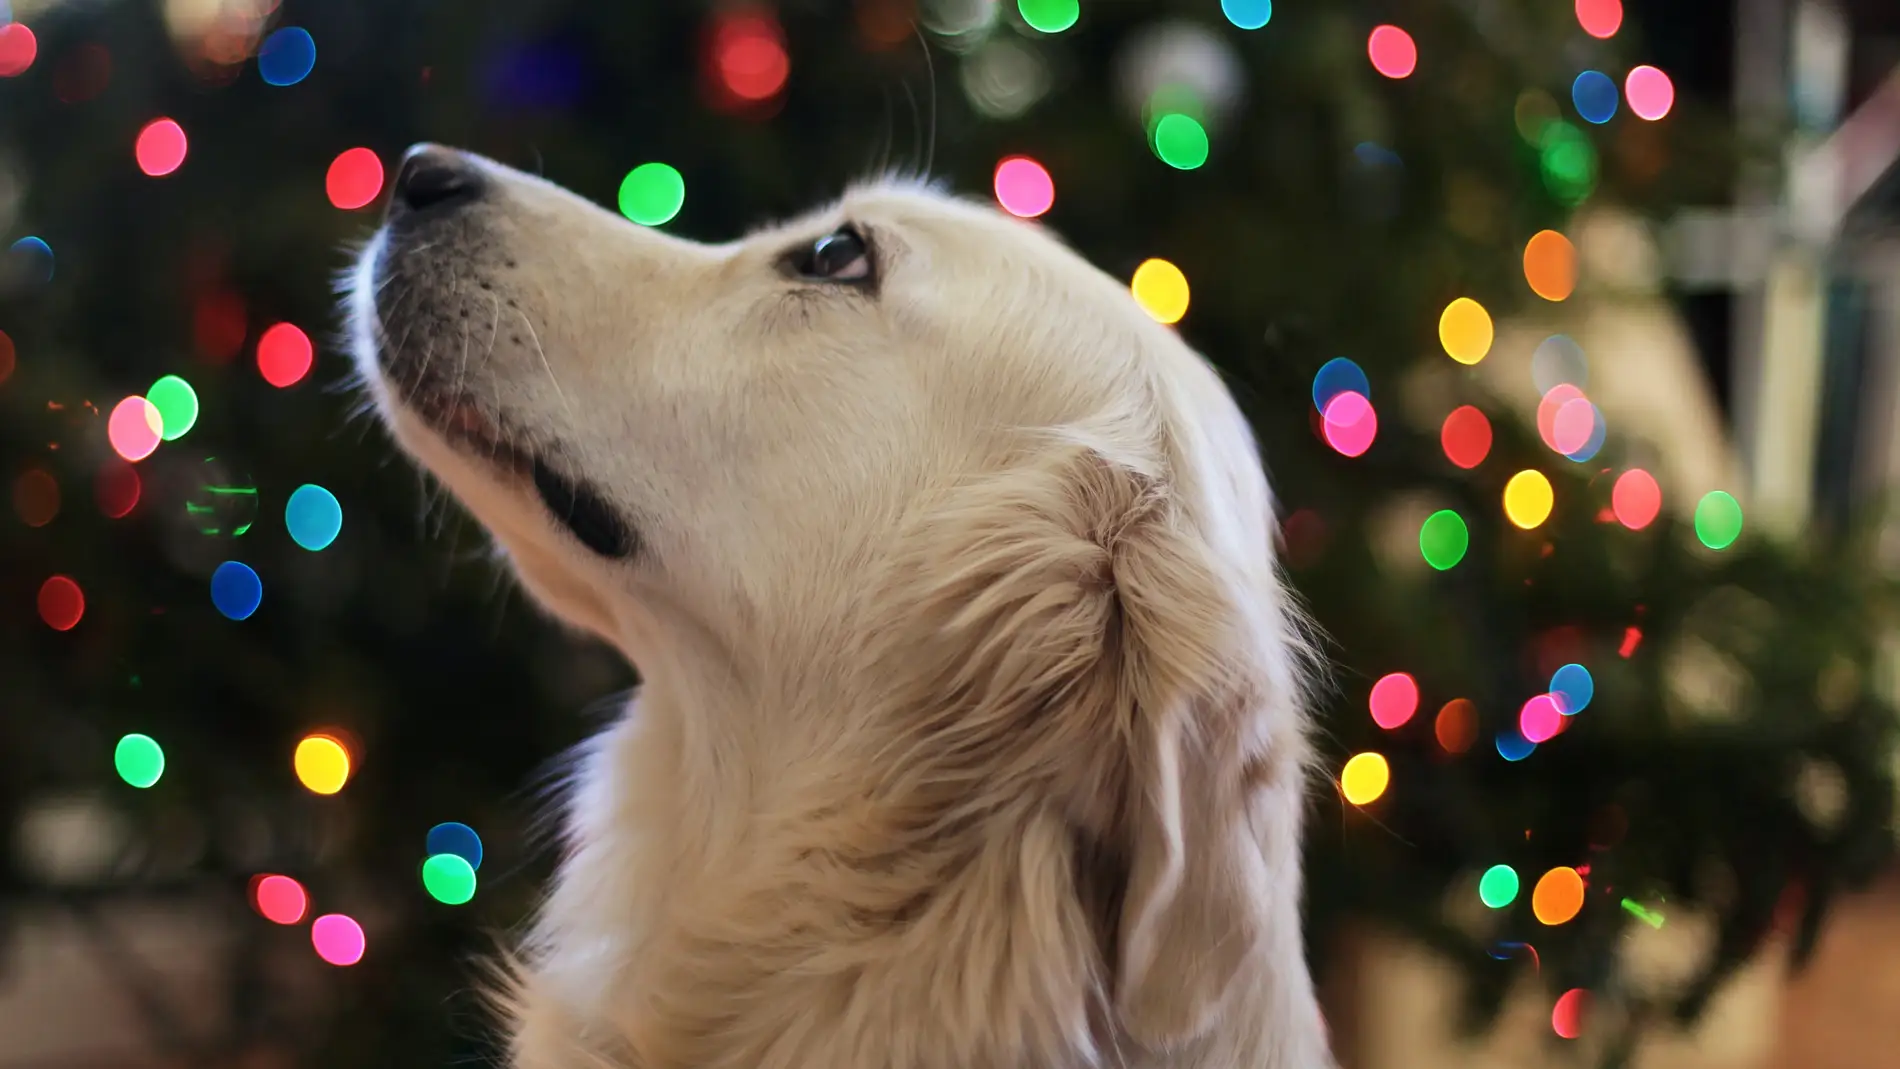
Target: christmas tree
x=224, y=677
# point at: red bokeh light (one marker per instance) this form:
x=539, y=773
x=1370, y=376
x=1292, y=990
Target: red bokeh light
x=18, y=47
x=61, y=603
x=218, y=324
x=1024, y=188
x=280, y=899
x=749, y=57
x=1350, y=424
x=339, y=939
x=116, y=489
x=161, y=148
x=1466, y=437
x=1393, y=700
x=134, y=428
x=1636, y=499
x=1600, y=18
x=1566, y=1018
x=6, y=357
x=1393, y=52
x=284, y=355
x=1560, y=395
x=354, y=180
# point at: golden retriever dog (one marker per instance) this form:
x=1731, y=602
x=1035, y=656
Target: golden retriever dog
x=971, y=730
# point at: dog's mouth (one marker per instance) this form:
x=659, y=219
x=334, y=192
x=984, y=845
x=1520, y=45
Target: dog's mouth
x=574, y=503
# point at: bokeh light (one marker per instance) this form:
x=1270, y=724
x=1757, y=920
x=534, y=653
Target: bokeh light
x=61, y=603
x=1571, y=424
x=36, y=497
x=1336, y=376
x=1365, y=778
x=1534, y=110
x=1513, y=746
x=355, y=178
x=1635, y=499
x=453, y=837
x=18, y=47
x=338, y=939
x=652, y=194
x=1600, y=18
x=236, y=590
x=449, y=879
x=280, y=899
x=1161, y=290
x=322, y=763
x=1718, y=519
x=139, y=760
x=284, y=355
x=1049, y=16
x=116, y=489
x=32, y=259
x=1181, y=141
x=1024, y=188
x=313, y=516
x=1573, y=687
x=1498, y=886
x=748, y=52
x=134, y=428
x=1568, y=161
x=1466, y=437
x=1528, y=498
x=287, y=56
x=1550, y=265
x=1465, y=331
x=1594, y=94
x=224, y=504
x=1558, y=896
x=177, y=406
x=1247, y=14
x=1566, y=1017
x=1651, y=93
x=7, y=356
x=1392, y=51
x=1350, y=424
x=1393, y=700
x=1443, y=539
x=1540, y=719
x=160, y=148
x=1456, y=727
x=1599, y=433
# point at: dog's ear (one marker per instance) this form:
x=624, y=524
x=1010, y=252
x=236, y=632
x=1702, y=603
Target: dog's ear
x=1211, y=727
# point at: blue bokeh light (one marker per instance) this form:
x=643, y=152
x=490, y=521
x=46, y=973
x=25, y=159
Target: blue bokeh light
x=313, y=516
x=451, y=837
x=1247, y=14
x=1573, y=688
x=1595, y=95
x=1513, y=746
x=236, y=590
x=1336, y=376
x=1599, y=430
x=287, y=56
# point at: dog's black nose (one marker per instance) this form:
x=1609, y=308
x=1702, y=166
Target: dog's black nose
x=433, y=177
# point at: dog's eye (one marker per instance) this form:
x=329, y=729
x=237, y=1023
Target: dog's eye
x=840, y=256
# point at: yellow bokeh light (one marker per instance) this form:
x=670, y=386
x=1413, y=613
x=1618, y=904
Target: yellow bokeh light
x=1465, y=330
x=1161, y=290
x=1528, y=498
x=1364, y=778
x=1558, y=896
x=322, y=764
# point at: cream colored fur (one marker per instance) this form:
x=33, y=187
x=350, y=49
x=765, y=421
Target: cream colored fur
x=971, y=731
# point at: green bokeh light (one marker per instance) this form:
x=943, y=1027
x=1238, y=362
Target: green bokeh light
x=224, y=505
x=1443, y=539
x=177, y=405
x=1180, y=141
x=651, y=194
x=449, y=879
x=1568, y=161
x=139, y=760
x=1049, y=16
x=1498, y=887
x=1718, y=519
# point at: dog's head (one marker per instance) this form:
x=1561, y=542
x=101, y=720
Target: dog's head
x=920, y=457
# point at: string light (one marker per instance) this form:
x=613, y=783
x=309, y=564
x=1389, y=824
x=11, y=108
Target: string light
x=1365, y=778
x=1465, y=331
x=652, y=194
x=1558, y=896
x=1024, y=187
x=1528, y=498
x=1393, y=700
x=322, y=764
x=1392, y=51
